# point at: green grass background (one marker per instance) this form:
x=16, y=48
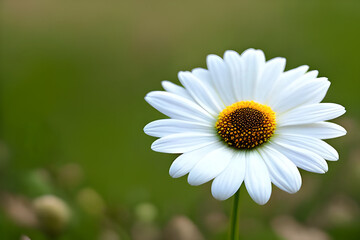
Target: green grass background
x=73, y=79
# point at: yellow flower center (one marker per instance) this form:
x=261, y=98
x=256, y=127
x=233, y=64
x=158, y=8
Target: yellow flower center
x=246, y=124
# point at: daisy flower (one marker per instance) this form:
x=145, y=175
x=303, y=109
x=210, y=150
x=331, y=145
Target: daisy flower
x=246, y=120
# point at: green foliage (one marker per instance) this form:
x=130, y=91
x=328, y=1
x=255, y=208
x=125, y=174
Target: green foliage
x=73, y=80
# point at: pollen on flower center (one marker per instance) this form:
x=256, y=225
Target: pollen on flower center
x=246, y=124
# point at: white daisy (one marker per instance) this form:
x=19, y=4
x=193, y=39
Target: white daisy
x=246, y=120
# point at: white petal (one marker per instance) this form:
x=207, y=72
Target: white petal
x=285, y=80
x=271, y=72
x=311, y=113
x=235, y=64
x=307, y=77
x=309, y=143
x=253, y=62
x=257, y=178
x=283, y=173
x=229, y=181
x=205, y=77
x=302, y=80
x=302, y=158
x=186, y=161
x=201, y=93
x=309, y=92
x=173, y=88
x=322, y=130
x=289, y=76
x=183, y=142
x=310, y=75
x=178, y=107
x=220, y=76
x=321, y=92
x=164, y=127
x=210, y=166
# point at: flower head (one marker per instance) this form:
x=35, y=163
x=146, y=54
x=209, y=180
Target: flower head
x=246, y=120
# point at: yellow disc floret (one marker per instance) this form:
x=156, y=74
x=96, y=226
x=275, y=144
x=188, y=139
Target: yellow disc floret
x=246, y=124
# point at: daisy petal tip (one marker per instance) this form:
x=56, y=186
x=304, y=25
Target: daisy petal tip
x=150, y=95
x=260, y=53
x=339, y=130
x=209, y=59
x=175, y=173
x=247, y=51
x=193, y=182
x=278, y=59
x=165, y=83
x=211, y=56
x=316, y=73
x=333, y=155
x=146, y=129
x=327, y=84
x=220, y=197
x=219, y=194
x=323, y=170
x=282, y=62
x=181, y=74
x=305, y=67
x=295, y=188
x=341, y=111
x=261, y=201
x=213, y=60
x=154, y=147
x=194, y=179
x=293, y=191
x=146, y=97
x=260, y=198
x=322, y=167
x=230, y=53
x=158, y=146
x=342, y=130
x=324, y=79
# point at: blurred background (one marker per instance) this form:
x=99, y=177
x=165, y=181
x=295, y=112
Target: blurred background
x=74, y=161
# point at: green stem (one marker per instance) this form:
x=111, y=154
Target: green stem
x=234, y=225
